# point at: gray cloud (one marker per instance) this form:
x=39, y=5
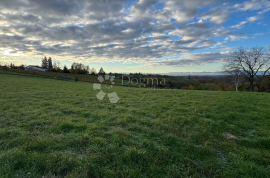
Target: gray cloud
x=105, y=30
x=193, y=59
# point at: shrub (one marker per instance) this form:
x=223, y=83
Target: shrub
x=209, y=86
x=221, y=87
x=5, y=68
x=184, y=88
x=33, y=72
x=197, y=88
x=76, y=78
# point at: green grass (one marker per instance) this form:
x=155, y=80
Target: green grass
x=55, y=128
x=61, y=76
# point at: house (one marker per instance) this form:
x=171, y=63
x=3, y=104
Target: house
x=35, y=68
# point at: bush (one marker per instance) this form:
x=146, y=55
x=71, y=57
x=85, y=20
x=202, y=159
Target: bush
x=5, y=68
x=184, y=88
x=76, y=78
x=265, y=85
x=197, y=88
x=221, y=87
x=209, y=86
x=33, y=72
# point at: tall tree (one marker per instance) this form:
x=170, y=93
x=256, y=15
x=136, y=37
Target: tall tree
x=72, y=69
x=54, y=65
x=87, y=69
x=65, y=69
x=254, y=64
x=58, y=65
x=233, y=71
x=50, y=66
x=44, y=63
x=101, y=71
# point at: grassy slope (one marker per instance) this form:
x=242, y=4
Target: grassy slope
x=61, y=76
x=58, y=128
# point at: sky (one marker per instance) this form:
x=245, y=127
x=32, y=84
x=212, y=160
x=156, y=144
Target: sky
x=147, y=36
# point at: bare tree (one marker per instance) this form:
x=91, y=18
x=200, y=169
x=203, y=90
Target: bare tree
x=54, y=65
x=233, y=71
x=93, y=71
x=58, y=65
x=86, y=70
x=254, y=64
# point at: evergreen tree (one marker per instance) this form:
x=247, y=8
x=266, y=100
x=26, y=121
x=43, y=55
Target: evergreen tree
x=101, y=71
x=44, y=63
x=65, y=69
x=50, y=66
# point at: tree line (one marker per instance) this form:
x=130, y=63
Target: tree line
x=247, y=68
x=76, y=68
x=47, y=63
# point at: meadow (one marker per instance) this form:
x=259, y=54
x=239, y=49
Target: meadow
x=56, y=128
x=58, y=75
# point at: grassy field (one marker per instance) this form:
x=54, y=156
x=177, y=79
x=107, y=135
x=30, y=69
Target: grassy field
x=63, y=76
x=54, y=128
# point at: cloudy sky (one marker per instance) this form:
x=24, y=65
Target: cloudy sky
x=149, y=36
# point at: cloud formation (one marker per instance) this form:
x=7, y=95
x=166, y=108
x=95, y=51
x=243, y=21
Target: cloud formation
x=192, y=59
x=121, y=30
